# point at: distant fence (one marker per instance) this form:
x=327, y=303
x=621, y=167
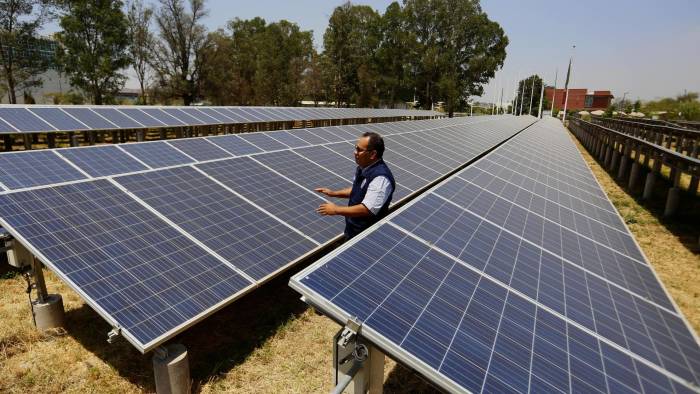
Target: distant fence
x=630, y=152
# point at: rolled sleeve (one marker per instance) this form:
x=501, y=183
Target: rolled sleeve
x=377, y=193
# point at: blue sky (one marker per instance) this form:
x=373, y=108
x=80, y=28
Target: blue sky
x=647, y=48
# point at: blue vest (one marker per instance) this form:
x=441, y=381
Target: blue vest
x=354, y=226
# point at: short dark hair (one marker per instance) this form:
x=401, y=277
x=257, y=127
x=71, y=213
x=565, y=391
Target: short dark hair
x=375, y=143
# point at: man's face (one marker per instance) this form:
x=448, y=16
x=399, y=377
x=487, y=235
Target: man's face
x=364, y=157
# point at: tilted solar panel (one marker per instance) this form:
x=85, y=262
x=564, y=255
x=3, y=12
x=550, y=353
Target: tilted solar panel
x=481, y=292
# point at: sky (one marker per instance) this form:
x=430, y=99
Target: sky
x=648, y=48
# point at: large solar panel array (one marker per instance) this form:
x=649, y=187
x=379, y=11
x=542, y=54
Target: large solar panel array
x=37, y=118
x=155, y=236
x=514, y=275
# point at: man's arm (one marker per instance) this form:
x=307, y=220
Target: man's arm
x=358, y=210
x=342, y=193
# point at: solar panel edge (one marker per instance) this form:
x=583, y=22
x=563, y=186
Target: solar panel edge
x=636, y=243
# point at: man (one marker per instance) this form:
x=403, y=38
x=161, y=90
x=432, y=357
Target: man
x=371, y=191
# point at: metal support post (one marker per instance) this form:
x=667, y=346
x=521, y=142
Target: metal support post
x=358, y=366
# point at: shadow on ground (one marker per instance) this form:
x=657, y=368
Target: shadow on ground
x=215, y=345
x=403, y=380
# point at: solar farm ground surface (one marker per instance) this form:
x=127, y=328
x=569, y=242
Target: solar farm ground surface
x=287, y=349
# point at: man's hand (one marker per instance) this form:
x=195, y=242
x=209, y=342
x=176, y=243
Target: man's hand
x=324, y=190
x=327, y=208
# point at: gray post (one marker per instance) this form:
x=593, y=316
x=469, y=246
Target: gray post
x=140, y=135
x=673, y=198
x=171, y=369
x=623, y=161
x=47, y=309
x=615, y=159
x=608, y=156
x=634, y=175
x=651, y=179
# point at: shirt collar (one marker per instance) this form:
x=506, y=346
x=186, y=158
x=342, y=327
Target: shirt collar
x=363, y=171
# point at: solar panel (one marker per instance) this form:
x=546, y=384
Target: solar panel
x=103, y=244
x=23, y=120
x=102, y=160
x=118, y=118
x=141, y=117
x=163, y=116
x=187, y=117
x=6, y=128
x=263, y=141
x=277, y=195
x=234, y=145
x=330, y=160
x=482, y=296
x=58, y=118
x=208, y=115
x=309, y=136
x=199, y=148
x=157, y=154
x=90, y=118
x=26, y=169
x=245, y=236
x=287, y=138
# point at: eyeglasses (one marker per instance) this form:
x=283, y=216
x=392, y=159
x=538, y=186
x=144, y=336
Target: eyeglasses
x=360, y=150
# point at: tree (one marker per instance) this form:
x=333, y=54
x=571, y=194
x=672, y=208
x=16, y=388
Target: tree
x=351, y=42
x=395, y=50
x=21, y=59
x=218, y=72
x=458, y=49
x=94, y=46
x=178, y=55
x=524, y=97
x=141, y=41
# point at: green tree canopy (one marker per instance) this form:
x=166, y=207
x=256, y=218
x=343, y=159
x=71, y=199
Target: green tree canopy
x=527, y=94
x=22, y=60
x=94, y=44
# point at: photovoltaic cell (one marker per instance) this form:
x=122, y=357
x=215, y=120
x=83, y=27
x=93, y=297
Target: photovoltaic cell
x=118, y=118
x=288, y=139
x=302, y=171
x=246, y=237
x=163, y=116
x=103, y=243
x=90, y=118
x=156, y=154
x=57, y=118
x=481, y=292
x=263, y=141
x=102, y=160
x=23, y=120
x=187, y=117
x=234, y=145
x=199, y=148
x=141, y=117
x=35, y=168
x=276, y=195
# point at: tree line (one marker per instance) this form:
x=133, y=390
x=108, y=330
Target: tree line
x=420, y=51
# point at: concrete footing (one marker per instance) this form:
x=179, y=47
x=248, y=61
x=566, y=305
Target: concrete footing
x=672, y=201
x=49, y=313
x=649, y=186
x=171, y=369
x=634, y=176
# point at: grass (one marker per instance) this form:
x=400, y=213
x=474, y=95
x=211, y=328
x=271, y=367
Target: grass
x=269, y=341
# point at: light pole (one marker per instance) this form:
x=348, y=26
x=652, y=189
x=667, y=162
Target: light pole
x=554, y=91
x=568, y=75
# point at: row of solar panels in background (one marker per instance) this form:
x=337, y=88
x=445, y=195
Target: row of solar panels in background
x=27, y=119
x=35, y=168
x=515, y=275
x=158, y=250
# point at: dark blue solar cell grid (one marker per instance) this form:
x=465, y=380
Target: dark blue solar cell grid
x=234, y=145
x=141, y=117
x=102, y=160
x=35, y=168
x=104, y=242
x=258, y=113
x=343, y=134
x=186, y=117
x=474, y=332
x=340, y=165
x=58, y=119
x=117, y=117
x=309, y=136
x=90, y=118
x=199, y=148
x=157, y=154
x=235, y=114
x=246, y=237
x=208, y=115
x=288, y=139
x=326, y=134
x=277, y=195
x=23, y=120
x=304, y=172
x=263, y=141
x=163, y=116
x=6, y=128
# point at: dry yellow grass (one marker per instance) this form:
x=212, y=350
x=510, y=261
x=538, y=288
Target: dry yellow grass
x=268, y=341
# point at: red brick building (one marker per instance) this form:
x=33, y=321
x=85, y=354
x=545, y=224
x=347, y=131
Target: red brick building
x=580, y=99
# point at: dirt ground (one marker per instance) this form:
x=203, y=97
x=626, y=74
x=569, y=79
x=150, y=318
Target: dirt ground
x=268, y=341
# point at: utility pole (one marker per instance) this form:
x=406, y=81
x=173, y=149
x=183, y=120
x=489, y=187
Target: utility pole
x=522, y=97
x=554, y=92
x=539, y=113
x=532, y=94
x=568, y=75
